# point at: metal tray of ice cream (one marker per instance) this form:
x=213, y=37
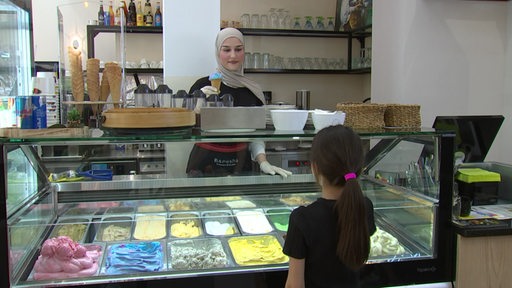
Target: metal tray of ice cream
x=254, y=250
x=155, y=226
x=185, y=225
x=198, y=254
x=79, y=212
x=219, y=223
x=79, y=229
x=279, y=217
x=252, y=221
x=114, y=228
x=51, y=282
x=138, y=257
x=120, y=210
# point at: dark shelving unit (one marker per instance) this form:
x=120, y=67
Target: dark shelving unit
x=360, y=34
x=94, y=30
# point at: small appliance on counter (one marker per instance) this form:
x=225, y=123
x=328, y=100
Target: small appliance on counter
x=478, y=182
x=476, y=187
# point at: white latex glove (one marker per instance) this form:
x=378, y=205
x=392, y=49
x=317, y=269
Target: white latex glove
x=209, y=90
x=268, y=168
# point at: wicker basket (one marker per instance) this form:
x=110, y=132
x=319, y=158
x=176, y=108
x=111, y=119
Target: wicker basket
x=363, y=115
x=402, y=115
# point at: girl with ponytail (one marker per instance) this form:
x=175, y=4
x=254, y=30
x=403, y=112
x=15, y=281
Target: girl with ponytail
x=329, y=240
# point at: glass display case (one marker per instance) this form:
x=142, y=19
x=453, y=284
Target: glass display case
x=201, y=231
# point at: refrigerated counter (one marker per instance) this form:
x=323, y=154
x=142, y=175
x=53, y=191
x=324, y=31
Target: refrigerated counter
x=413, y=244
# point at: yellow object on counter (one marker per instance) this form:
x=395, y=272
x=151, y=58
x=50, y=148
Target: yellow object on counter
x=185, y=229
x=257, y=250
x=150, y=227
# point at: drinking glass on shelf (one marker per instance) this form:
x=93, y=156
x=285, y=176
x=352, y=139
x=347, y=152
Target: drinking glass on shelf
x=330, y=24
x=287, y=20
x=264, y=22
x=255, y=21
x=245, y=20
x=256, y=58
x=308, y=25
x=273, y=18
x=320, y=23
x=308, y=63
x=281, y=16
x=265, y=61
x=248, y=60
x=296, y=23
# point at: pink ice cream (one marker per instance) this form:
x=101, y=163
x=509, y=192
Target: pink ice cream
x=63, y=258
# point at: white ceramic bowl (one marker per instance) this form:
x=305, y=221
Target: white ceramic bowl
x=289, y=119
x=322, y=119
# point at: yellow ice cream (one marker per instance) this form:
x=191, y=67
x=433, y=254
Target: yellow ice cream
x=257, y=250
x=150, y=227
x=185, y=229
x=185, y=225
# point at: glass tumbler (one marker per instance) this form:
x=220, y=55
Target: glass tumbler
x=255, y=21
x=265, y=61
x=264, y=22
x=273, y=18
x=245, y=20
x=256, y=58
x=248, y=60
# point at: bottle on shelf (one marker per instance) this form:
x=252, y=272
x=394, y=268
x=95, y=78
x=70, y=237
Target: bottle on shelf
x=101, y=15
x=132, y=14
x=158, y=15
x=148, y=15
x=140, y=14
x=111, y=15
x=125, y=9
x=119, y=15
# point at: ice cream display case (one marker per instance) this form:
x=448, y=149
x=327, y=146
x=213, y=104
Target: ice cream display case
x=170, y=229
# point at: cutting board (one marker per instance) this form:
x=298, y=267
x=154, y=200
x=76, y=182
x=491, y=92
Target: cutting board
x=147, y=117
x=45, y=133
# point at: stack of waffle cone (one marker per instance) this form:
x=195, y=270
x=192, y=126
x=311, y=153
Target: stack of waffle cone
x=114, y=75
x=93, y=82
x=77, y=79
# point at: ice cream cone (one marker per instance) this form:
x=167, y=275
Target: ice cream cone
x=77, y=79
x=215, y=79
x=93, y=82
x=216, y=83
x=114, y=74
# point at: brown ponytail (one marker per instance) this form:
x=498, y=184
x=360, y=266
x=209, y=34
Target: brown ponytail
x=337, y=151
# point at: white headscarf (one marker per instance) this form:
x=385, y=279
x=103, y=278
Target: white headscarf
x=235, y=79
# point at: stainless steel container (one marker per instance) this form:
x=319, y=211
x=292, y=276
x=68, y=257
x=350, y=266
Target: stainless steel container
x=302, y=99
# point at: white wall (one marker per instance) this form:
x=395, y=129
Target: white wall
x=45, y=30
x=451, y=57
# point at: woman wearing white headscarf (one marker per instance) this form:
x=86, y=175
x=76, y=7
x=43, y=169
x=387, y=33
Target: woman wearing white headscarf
x=219, y=159
x=230, y=54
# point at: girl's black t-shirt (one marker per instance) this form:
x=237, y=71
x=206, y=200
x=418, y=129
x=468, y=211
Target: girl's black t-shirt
x=312, y=235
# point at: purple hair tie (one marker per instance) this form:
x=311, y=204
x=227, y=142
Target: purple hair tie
x=349, y=176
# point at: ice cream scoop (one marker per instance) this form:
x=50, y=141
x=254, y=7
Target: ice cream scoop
x=216, y=79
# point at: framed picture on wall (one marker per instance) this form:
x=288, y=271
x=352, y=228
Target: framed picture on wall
x=353, y=14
